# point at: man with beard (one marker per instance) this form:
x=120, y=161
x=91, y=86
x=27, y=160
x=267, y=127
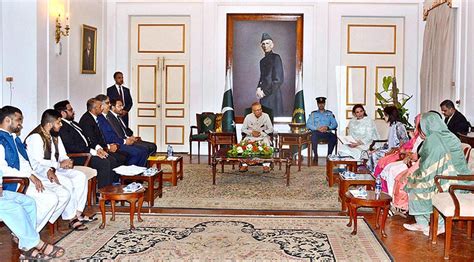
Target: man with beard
x=51, y=199
x=47, y=155
x=76, y=141
x=117, y=123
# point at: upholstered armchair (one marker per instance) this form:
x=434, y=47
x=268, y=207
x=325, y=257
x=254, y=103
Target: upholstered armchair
x=453, y=206
x=205, y=123
x=91, y=175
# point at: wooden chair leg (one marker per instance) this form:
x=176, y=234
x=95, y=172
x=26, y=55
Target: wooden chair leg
x=434, y=226
x=89, y=192
x=469, y=229
x=448, y=223
x=51, y=227
x=190, y=151
x=199, y=152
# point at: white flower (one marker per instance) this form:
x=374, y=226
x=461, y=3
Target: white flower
x=249, y=146
x=240, y=150
x=260, y=148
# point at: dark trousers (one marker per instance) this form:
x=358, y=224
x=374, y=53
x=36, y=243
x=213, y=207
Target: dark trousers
x=149, y=147
x=317, y=136
x=136, y=155
x=105, y=173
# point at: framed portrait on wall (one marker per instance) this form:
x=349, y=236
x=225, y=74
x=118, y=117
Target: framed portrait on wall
x=89, y=50
x=264, y=55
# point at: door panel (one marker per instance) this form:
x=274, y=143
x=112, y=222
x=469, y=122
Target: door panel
x=160, y=84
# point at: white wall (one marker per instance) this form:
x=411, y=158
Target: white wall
x=465, y=58
x=19, y=60
x=85, y=86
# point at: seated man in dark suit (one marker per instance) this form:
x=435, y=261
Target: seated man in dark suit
x=75, y=141
x=88, y=124
x=115, y=120
x=136, y=155
x=456, y=122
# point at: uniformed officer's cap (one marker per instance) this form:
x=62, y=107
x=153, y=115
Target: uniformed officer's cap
x=321, y=99
x=265, y=36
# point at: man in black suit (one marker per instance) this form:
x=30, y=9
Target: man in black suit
x=88, y=124
x=456, y=122
x=118, y=91
x=75, y=141
x=271, y=77
x=115, y=120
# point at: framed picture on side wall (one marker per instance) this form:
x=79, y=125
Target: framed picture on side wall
x=265, y=55
x=89, y=50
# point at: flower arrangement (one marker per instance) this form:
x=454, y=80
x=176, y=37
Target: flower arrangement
x=247, y=148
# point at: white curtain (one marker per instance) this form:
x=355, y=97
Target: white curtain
x=436, y=75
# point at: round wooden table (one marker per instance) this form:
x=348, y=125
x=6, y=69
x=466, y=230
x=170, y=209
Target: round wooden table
x=379, y=203
x=116, y=193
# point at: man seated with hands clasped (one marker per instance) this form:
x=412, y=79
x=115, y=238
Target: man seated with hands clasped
x=257, y=127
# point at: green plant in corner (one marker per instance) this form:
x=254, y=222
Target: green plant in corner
x=391, y=96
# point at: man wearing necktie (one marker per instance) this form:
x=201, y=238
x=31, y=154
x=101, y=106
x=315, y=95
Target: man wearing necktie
x=76, y=141
x=118, y=91
x=115, y=120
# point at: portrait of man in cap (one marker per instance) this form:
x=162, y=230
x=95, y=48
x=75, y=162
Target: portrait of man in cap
x=262, y=55
x=271, y=77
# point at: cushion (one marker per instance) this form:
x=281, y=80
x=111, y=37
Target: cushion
x=207, y=123
x=444, y=203
x=89, y=172
x=199, y=137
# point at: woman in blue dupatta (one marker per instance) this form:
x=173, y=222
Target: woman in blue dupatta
x=440, y=154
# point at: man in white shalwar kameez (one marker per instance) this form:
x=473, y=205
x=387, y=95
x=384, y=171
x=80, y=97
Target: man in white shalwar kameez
x=257, y=126
x=48, y=155
x=14, y=162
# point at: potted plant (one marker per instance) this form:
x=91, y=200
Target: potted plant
x=394, y=98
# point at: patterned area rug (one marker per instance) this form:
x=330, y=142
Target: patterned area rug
x=254, y=189
x=225, y=238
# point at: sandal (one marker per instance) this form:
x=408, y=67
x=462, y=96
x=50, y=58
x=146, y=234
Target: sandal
x=77, y=225
x=29, y=255
x=54, y=252
x=87, y=219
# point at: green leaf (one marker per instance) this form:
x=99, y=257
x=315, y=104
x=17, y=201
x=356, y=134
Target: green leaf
x=380, y=98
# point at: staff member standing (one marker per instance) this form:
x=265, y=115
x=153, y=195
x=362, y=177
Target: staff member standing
x=321, y=122
x=120, y=92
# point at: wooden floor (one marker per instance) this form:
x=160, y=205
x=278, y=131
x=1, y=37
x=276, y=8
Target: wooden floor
x=402, y=244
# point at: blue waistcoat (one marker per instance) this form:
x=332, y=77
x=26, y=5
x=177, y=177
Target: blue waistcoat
x=11, y=154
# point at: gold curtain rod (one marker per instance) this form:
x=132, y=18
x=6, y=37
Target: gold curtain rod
x=427, y=11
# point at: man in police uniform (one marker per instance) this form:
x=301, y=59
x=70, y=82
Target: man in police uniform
x=321, y=122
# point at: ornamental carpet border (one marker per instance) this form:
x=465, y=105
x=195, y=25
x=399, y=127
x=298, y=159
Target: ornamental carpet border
x=179, y=237
x=252, y=190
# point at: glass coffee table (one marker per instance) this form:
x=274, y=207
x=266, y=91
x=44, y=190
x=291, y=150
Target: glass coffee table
x=221, y=157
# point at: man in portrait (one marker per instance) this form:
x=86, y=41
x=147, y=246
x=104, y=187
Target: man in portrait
x=271, y=77
x=88, y=55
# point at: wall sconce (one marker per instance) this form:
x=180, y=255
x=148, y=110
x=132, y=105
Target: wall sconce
x=60, y=32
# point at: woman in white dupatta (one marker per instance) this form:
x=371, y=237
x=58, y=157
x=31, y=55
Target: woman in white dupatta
x=363, y=130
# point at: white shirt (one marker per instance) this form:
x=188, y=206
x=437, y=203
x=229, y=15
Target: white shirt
x=36, y=154
x=120, y=91
x=25, y=168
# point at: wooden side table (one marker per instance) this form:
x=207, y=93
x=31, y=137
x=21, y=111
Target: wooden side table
x=296, y=139
x=116, y=193
x=332, y=176
x=379, y=203
x=151, y=191
x=360, y=180
x=220, y=139
x=176, y=169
